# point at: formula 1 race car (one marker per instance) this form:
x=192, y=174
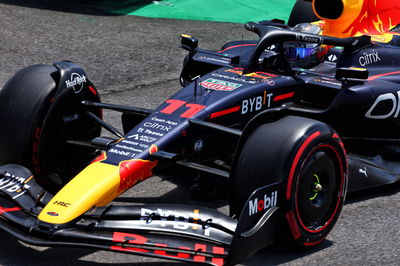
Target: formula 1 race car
x=292, y=130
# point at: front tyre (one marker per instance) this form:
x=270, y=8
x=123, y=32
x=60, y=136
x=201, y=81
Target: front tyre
x=38, y=119
x=307, y=158
x=316, y=186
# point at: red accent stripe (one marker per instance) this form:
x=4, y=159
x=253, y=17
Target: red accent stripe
x=283, y=96
x=236, y=46
x=2, y=210
x=384, y=74
x=293, y=226
x=310, y=244
x=93, y=90
x=225, y=112
x=296, y=161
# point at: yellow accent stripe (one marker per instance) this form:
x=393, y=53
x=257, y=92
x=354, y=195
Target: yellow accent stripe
x=195, y=218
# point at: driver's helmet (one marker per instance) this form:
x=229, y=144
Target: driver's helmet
x=303, y=54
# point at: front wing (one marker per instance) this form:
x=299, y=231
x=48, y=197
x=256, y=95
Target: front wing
x=173, y=231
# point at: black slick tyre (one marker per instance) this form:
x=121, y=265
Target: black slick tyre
x=308, y=159
x=37, y=122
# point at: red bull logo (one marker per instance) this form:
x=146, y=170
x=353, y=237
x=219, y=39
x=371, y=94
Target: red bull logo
x=133, y=171
x=345, y=18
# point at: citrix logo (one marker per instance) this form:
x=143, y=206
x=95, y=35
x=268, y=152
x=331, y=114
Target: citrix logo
x=256, y=205
x=369, y=58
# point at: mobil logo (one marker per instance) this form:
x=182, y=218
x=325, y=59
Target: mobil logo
x=264, y=203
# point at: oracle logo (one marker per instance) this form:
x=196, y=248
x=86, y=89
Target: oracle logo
x=391, y=100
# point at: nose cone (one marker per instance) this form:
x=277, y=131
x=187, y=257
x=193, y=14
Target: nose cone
x=97, y=185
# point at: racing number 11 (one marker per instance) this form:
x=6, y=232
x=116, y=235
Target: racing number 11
x=174, y=105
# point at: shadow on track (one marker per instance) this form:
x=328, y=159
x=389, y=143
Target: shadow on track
x=84, y=7
x=14, y=253
x=382, y=191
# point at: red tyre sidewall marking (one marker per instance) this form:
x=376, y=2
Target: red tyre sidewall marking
x=296, y=160
x=339, y=196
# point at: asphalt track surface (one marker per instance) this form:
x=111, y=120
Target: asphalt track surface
x=136, y=61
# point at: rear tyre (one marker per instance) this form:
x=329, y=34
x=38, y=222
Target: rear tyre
x=307, y=158
x=36, y=124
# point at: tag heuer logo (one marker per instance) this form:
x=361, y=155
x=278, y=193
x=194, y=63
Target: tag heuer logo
x=219, y=85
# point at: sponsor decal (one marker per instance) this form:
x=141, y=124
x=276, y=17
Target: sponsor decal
x=150, y=132
x=52, y=213
x=332, y=58
x=62, y=203
x=390, y=100
x=363, y=171
x=219, y=85
x=14, y=184
x=252, y=104
x=134, y=171
x=76, y=82
x=120, y=238
x=161, y=120
x=157, y=126
x=143, y=138
x=261, y=75
x=328, y=81
x=369, y=58
x=305, y=38
x=258, y=74
x=118, y=152
x=243, y=80
x=129, y=148
x=235, y=70
x=269, y=82
x=225, y=61
x=299, y=45
x=267, y=202
x=375, y=17
x=256, y=103
x=198, y=145
x=182, y=220
x=134, y=143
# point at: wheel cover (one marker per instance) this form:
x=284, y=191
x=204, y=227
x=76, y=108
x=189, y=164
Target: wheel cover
x=319, y=188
